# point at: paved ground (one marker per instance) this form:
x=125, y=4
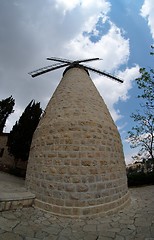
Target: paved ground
x=135, y=222
x=10, y=183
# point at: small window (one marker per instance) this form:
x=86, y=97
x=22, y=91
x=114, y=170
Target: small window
x=1, y=152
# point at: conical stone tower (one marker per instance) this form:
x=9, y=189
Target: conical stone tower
x=76, y=165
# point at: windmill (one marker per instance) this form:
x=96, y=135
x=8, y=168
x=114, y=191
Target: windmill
x=76, y=164
x=70, y=64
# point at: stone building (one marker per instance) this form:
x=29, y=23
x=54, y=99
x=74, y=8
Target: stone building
x=76, y=165
x=6, y=161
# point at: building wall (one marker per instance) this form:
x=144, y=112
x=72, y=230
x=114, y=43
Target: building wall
x=5, y=158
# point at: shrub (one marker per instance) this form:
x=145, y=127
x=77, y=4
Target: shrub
x=140, y=179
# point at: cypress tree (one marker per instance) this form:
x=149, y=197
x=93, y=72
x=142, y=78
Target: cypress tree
x=6, y=108
x=20, y=136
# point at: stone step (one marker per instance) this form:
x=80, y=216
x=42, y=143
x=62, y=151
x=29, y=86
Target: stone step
x=11, y=201
x=13, y=193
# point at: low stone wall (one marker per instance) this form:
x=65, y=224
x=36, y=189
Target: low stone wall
x=15, y=204
x=82, y=212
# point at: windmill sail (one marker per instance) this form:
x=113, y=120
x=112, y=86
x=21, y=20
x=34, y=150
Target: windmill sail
x=69, y=63
x=47, y=69
x=105, y=74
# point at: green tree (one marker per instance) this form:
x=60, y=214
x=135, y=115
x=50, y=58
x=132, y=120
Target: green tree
x=20, y=136
x=6, y=108
x=142, y=134
x=152, y=53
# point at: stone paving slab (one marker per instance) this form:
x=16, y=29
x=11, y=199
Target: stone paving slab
x=11, y=184
x=136, y=222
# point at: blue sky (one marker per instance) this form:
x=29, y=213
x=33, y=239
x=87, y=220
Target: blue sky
x=120, y=32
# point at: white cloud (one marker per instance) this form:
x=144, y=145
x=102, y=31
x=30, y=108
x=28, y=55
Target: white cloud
x=100, y=4
x=34, y=30
x=128, y=75
x=111, y=46
x=147, y=11
x=86, y=5
x=66, y=5
x=13, y=117
x=119, y=91
x=129, y=156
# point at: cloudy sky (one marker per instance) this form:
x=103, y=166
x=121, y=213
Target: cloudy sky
x=120, y=32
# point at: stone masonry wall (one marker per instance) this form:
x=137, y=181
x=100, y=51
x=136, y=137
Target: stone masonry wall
x=76, y=165
x=5, y=158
